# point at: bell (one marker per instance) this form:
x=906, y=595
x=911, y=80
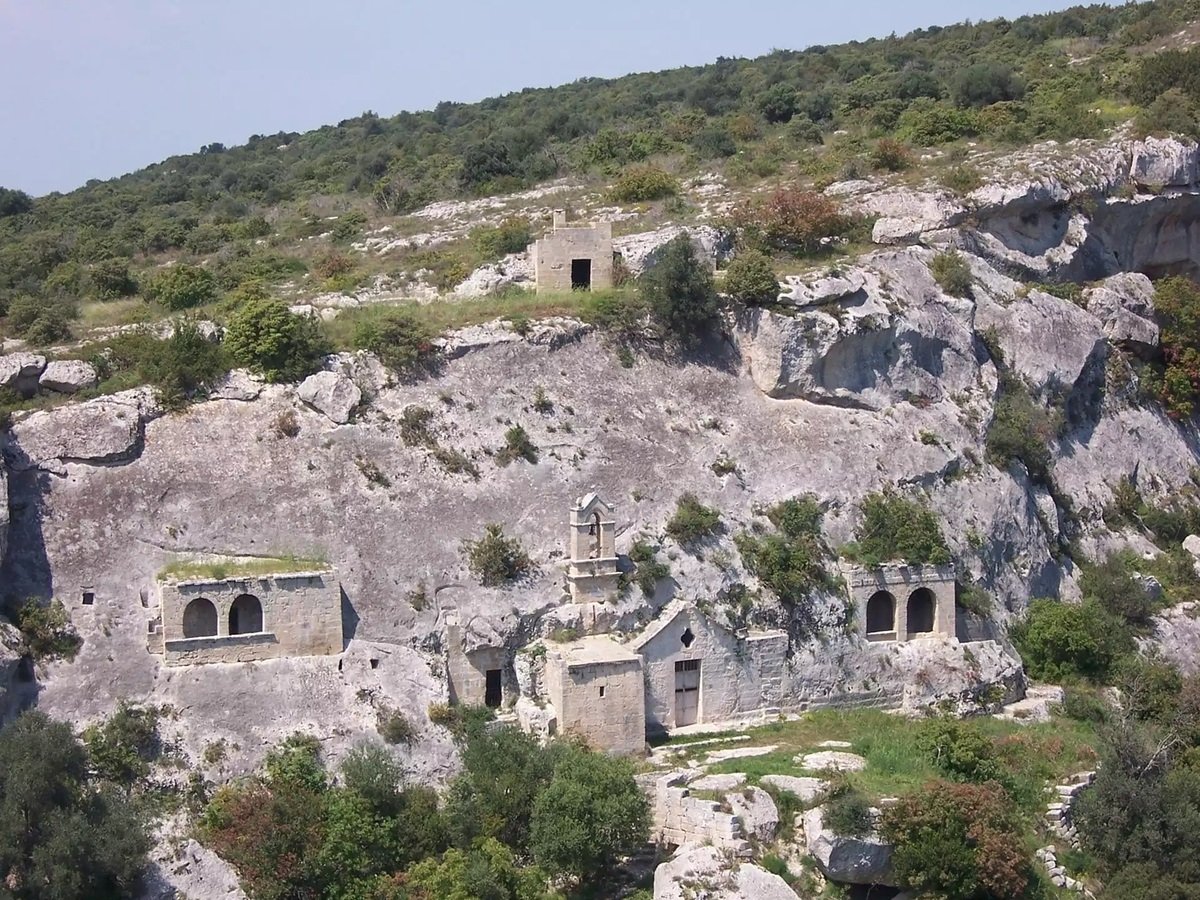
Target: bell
x=592, y=529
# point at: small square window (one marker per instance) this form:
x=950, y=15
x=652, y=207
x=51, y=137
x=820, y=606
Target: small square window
x=601, y=690
x=89, y=598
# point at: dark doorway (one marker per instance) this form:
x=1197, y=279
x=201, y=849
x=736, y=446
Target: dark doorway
x=492, y=694
x=881, y=613
x=199, y=618
x=245, y=616
x=581, y=274
x=920, y=611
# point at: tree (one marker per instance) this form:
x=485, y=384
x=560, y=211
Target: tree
x=750, y=278
x=182, y=364
x=1070, y=640
x=487, y=871
x=986, y=83
x=14, y=202
x=495, y=559
x=591, y=813
x=110, y=279
x=958, y=840
x=267, y=337
x=678, y=290
x=778, y=103
x=398, y=338
x=61, y=838
x=182, y=287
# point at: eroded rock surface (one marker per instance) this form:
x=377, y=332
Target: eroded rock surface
x=847, y=860
x=707, y=872
x=332, y=394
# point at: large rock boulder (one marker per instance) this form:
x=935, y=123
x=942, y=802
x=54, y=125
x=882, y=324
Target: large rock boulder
x=1164, y=162
x=1124, y=304
x=758, y=812
x=805, y=788
x=332, y=394
x=102, y=431
x=641, y=251
x=515, y=270
x=67, y=376
x=19, y=372
x=705, y=872
x=848, y=860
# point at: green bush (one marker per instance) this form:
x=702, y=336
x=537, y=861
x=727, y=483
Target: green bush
x=394, y=727
x=513, y=235
x=517, y=445
x=47, y=630
x=928, y=123
x=178, y=367
x=1172, y=112
x=792, y=562
x=959, y=751
x=959, y=840
x=894, y=527
x=265, y=336
x=122, y=748
x=649, y=570
x=181, y=287
x=679, y=293
x=41, y=321
x=793, y=219
x=1021, y=430
x=1070, y=640
x=891, y=155
x=952, y=273
x=1113, y=585
x=692, y=520
x=111, y=280
x=1177, y=304
x=495, y=559
x=400, y=340
x=986, y=83
x=641, y=183
x=847, y=811
x=750, y=278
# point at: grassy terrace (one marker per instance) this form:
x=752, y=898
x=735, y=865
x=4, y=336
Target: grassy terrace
x=218, y=570
x=1030, y=755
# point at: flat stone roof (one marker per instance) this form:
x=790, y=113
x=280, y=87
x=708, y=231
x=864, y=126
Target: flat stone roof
x=595, y=650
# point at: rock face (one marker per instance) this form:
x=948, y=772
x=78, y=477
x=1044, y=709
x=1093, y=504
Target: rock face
x=104, y=431
x=696, y=872
x=12, y=649
x=19, y=372
x=1125, y=306
x=68, y=376
x=847, y=860
x=640, y=251
x=757, y=811
x=831, y=761
x=332, y=394
x=806, y=789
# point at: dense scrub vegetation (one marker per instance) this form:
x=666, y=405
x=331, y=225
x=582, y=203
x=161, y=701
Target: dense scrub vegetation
x=792, y=560
x=894, y=527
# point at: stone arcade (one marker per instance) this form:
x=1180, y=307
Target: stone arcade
x=578, y=257
x=241, y=619
x=895, y=602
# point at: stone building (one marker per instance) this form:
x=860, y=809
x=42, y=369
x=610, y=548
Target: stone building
x=595, y=686
x=240, y=619
x=476, y=674
x=896, y=602
x=592, y=570
x=697, y=671
x=577, y=257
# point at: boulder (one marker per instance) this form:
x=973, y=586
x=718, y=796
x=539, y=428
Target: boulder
x=1192, y=544
x=1124, y=304
x=1163, y=162
x=758, y=812
x=19, y=372
x=516, y=269
x=641, y=251
x=67, y=376
x=237, y=385
x=828, y=288
x=807, y=789
x=332, y=394
x=718, y=782
x=831, y=761
x=102, y=431
x=707, y=872
x=848, y=860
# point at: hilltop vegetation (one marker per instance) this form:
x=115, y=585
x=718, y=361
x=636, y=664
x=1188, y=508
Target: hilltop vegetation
x=244, y=213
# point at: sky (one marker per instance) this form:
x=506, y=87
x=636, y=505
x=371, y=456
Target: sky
x=97, y=88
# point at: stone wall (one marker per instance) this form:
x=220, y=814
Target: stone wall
x=301, y=616
x=739, y=675
x=467, y=670
x=905, y=586
x=552, y=255
x=600, y=700
x=678, y=818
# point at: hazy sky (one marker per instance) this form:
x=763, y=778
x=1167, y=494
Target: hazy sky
x=97, y=88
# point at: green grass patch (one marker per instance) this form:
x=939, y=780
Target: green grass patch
x=220, y=569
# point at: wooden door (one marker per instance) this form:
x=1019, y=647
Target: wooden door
x=687, y=692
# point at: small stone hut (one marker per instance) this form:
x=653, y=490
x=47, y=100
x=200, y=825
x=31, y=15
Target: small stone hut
x=897, y=602
x=242, y=619
x=575, y=257
x=595, y=686
x=478, y=675
x=698, y=671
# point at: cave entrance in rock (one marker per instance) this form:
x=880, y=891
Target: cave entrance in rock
x=881, y=616
x=921, y=605
x=493, y=692
x=199, y=618
x=245, y=615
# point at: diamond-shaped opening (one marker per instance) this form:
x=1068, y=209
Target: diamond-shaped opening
x=687, y=638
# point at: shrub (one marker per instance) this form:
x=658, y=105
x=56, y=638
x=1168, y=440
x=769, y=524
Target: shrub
x=591, y=813
x=1070, y=640
x=750, y=278
x=513, y=235
x=714, y=142
x=47, y=630
x=1112, y=584
x=181, y=365
x=958, y=840
x=692, y=520
x=122, y=747
x=928, y=123
x=332, y=264
x=182, y=287
x=679, y=293
x=517, y=445
x=1021, y=430
x=41, y=321
x=641, y=183
x=962, y=179
x=891, y=155
x=1177, y=304
x=495, y=559
x=894, y=527
x=111, y=279
x=649, y=570
x=265, y=336
x=959, y=751
x=415, y=427
x=394, y=727
x=790, y=563
x=778, y=103
x=847, y=811
x=1172, y=112
x=792, y=219
x=952, y=273
x=986, y=83
x=400, y=340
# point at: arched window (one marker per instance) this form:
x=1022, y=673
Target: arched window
x=920, y=611
x=245, y=616
x=199, y=618
x=881, y=613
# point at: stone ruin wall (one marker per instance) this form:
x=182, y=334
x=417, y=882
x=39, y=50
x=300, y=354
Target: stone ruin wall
x=614, y=721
